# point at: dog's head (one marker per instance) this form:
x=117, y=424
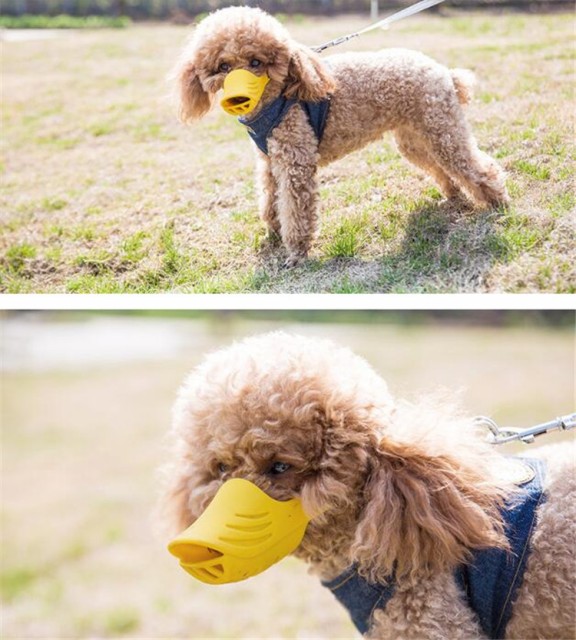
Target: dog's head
x=293, y=415
x=302, y=418
x=248, y=39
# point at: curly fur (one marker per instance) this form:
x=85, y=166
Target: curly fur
x=389, y=484
x=399, y=90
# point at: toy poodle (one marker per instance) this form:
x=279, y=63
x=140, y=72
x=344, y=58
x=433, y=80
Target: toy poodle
x=316, y=110
x=419, y=527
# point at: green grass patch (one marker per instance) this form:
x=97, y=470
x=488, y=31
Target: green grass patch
x=17, y=256
x=517, y=238
x=134, y=247
x=347, y=286
x=28, y=21
x=54, y=204
x=562, y=203
x=86, y=232
x=347, y=239
x=172, y=259
x=58, y=142
x=95, y=284
x=102, y=129
x=121, y=621
x=16, y=581
x=532, y=169
x=97, y=262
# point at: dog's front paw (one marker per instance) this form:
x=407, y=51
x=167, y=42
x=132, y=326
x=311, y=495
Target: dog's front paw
x=294, y=259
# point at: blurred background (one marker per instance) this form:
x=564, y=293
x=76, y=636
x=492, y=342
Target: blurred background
x=86, y=400
x=183, y=10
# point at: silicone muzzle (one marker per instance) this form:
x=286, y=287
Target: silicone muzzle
x=242, y=92
x=241, y=533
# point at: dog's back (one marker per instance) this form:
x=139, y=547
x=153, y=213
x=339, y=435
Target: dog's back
x=380, y=91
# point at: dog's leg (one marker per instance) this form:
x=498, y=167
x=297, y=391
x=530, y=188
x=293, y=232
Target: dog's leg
x=457, y=153
x=268, y=189
x=295, y=172
x=413, y=148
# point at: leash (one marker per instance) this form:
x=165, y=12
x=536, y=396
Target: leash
x=381, y=24
x=528, y=435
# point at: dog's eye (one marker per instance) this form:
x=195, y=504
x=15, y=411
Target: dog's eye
x=255, y=63
x=278, y=468
x=224, y=67
x=222, y=468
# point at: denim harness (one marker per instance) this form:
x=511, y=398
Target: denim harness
x=489, y=582
x=260, y=128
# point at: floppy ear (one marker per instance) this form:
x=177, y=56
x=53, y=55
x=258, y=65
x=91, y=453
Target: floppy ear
x=423, y=514
x=343, y=444
x=308, y=77
x=194, y=100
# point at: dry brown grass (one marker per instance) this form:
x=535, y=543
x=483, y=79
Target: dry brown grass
x=81, y=449
x=103, y=191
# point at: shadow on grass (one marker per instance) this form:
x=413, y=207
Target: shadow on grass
x=443, y=250
x=438, y=250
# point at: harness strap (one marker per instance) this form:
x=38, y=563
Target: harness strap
x=359, y=596
x=491, y=581
x=260, y=128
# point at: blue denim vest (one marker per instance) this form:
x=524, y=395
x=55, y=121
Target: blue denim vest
x=489, y=582
x=260, y=128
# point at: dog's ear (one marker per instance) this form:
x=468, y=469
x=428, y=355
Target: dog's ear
x=423, y=514
x=194, y=101
x=341, y=451
x=308, y=77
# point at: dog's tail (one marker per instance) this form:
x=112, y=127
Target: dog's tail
x=464, y=82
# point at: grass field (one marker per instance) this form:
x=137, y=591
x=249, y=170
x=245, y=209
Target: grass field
x=82, y=442
x=104, y=191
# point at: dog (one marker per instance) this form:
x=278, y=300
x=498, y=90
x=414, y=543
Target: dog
x=313, y=111
x=419, y=526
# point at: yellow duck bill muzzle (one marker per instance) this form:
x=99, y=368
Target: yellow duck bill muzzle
x=241, y=533
x=242, y=92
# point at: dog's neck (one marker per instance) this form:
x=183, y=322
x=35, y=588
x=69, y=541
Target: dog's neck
x=327, y=543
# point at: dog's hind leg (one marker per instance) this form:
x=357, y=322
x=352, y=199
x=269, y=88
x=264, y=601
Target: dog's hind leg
x=414, y=148
x=454, y=149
